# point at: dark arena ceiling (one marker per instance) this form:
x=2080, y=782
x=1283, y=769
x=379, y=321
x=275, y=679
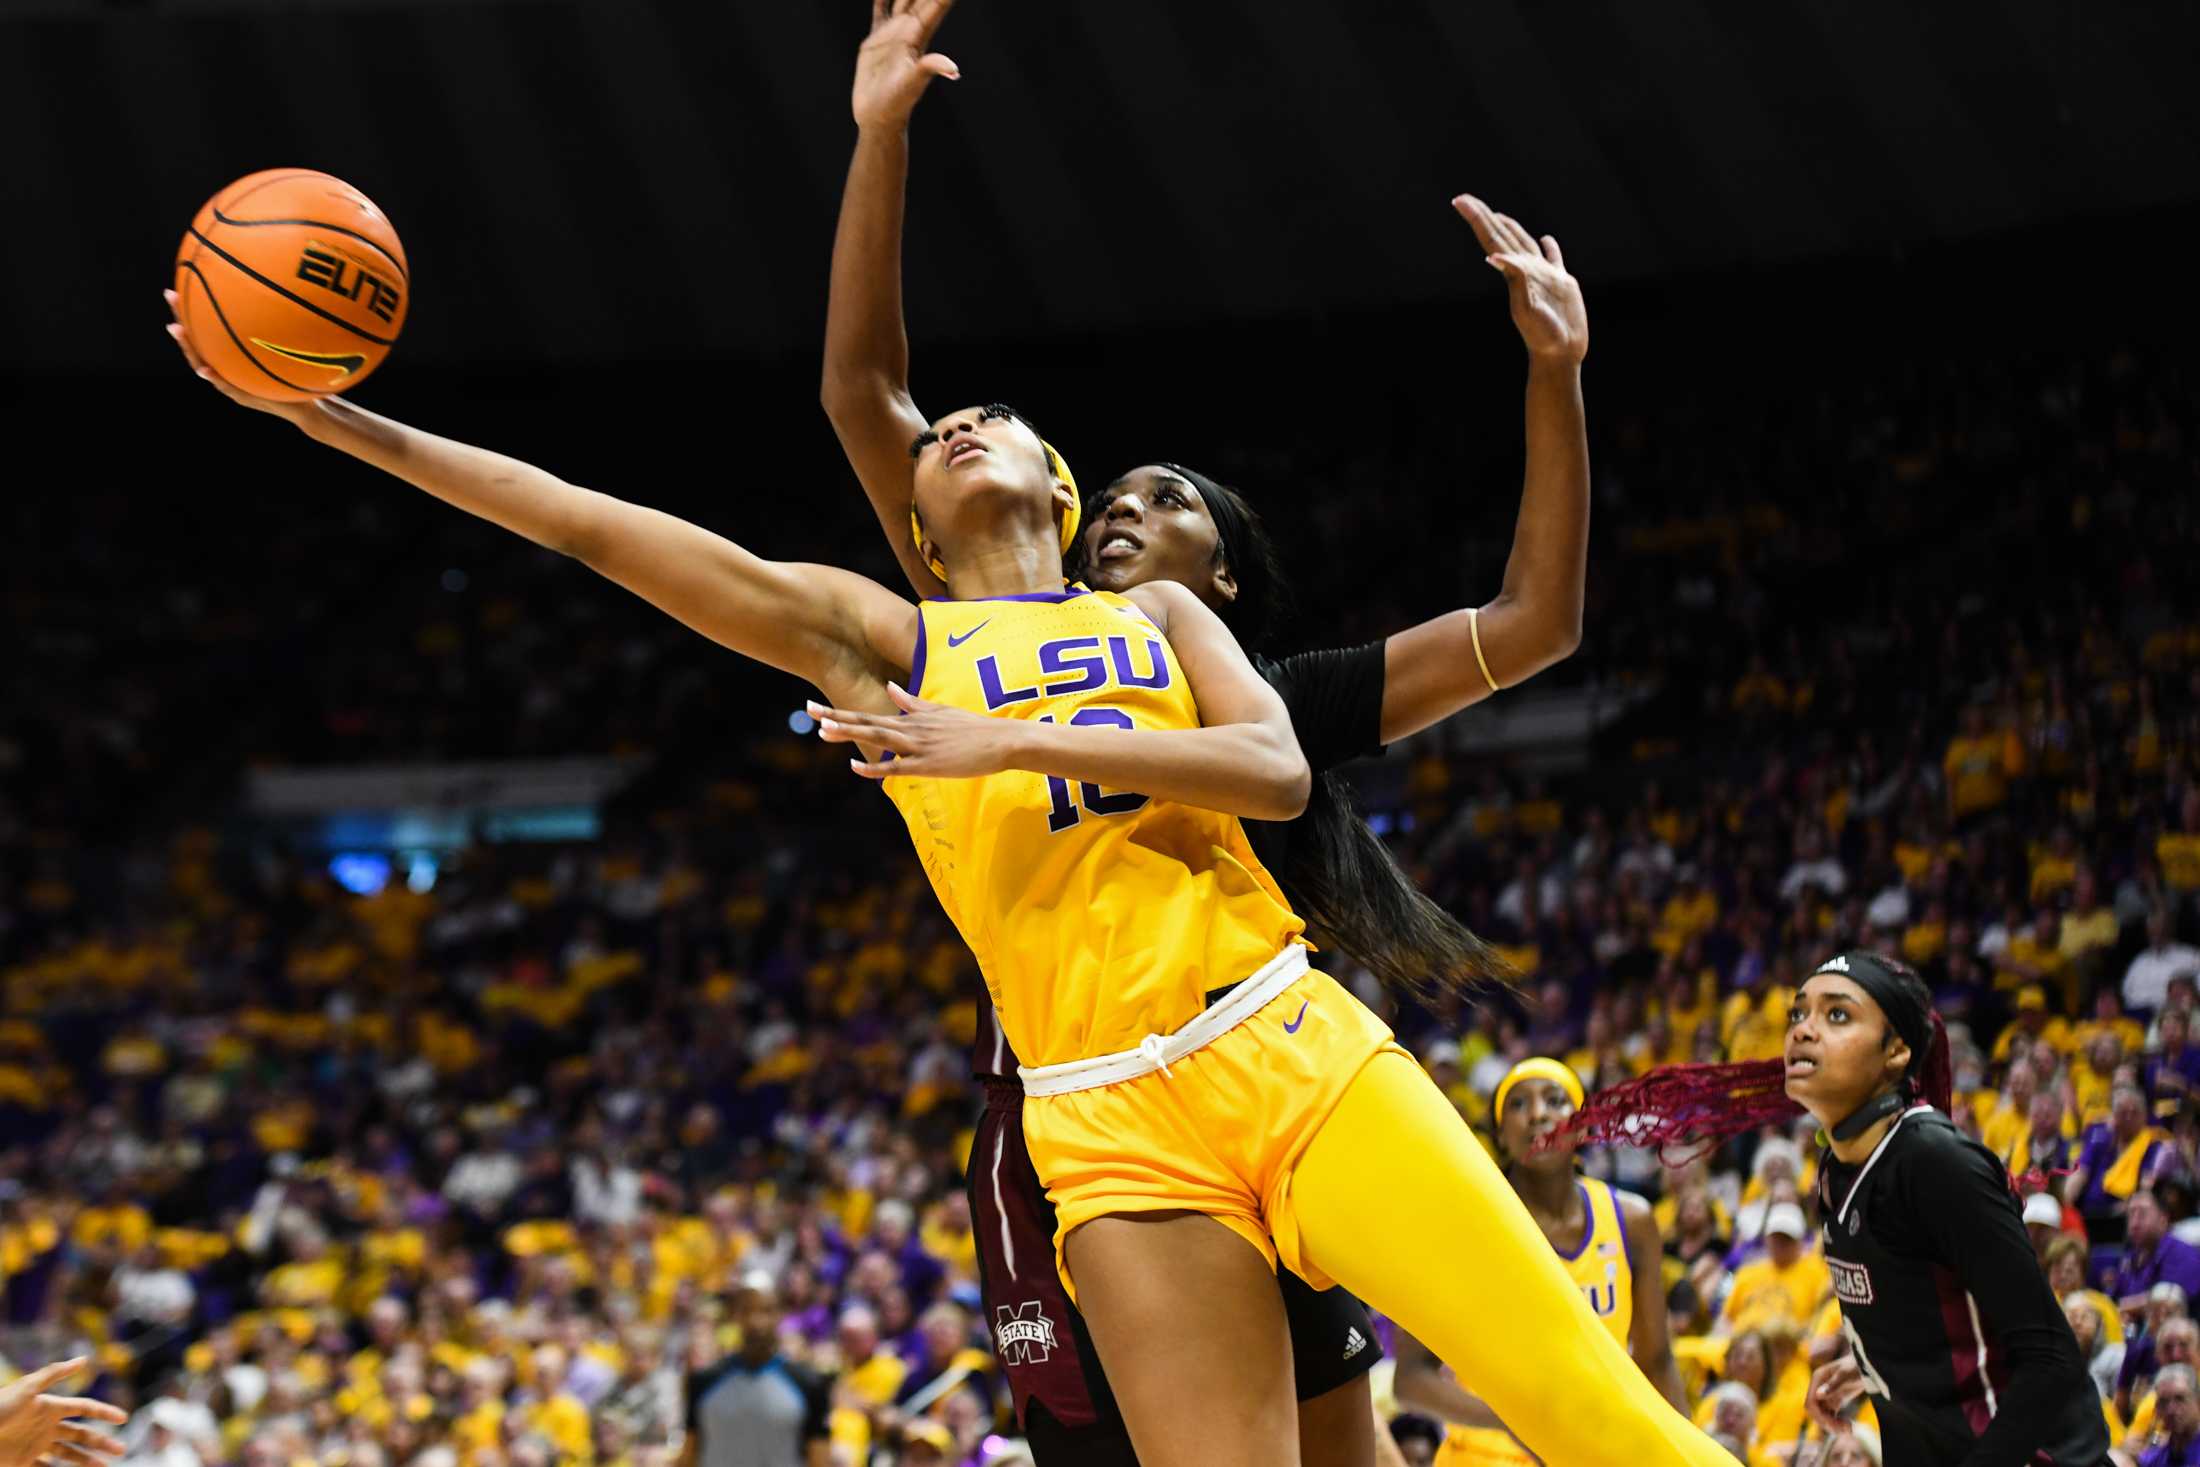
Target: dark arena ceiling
x=619, y=180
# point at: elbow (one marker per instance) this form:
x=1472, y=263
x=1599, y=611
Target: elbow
x=1290, y=788
x=834, y=394
x=1566, y=636
x=1555, y=637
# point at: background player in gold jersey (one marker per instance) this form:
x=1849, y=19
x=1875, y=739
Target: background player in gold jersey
x=1608, y=1240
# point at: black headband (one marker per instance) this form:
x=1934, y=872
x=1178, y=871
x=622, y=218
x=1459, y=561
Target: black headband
x=1926, y=1077
x=1895, y=998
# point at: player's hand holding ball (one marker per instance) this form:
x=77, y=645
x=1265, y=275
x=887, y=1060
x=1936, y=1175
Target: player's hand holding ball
x=1547, y=307
x=296, y=412
x=290, y=286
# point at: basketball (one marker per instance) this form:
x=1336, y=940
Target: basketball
x=292, y=284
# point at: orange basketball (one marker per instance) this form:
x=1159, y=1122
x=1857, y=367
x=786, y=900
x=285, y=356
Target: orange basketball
x=292, y=284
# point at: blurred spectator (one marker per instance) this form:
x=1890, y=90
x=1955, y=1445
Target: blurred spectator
x=2176, y=1343
x=1734, y=1418
x=1788, y=1283
x=2163, y=1307
x=1417, y=1438
x=2147, y=979
x=2151, y=1256
x=2116, y=1158
x=2177, y=1397
x=2043, y=1221
x=755, y=1408
x=2104, y=1358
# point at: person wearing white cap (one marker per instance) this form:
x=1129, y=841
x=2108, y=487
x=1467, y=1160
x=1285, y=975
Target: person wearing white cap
x=2043, y=1220
x=1778, y=1160
x=1787, y=1281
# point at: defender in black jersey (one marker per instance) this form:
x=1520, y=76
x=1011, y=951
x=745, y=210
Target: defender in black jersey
x=1061, y=1394
x=1952, y=1328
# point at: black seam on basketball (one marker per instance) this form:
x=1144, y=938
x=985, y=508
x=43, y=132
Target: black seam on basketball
x=291, y=295
x=208, y=286
x=271, y=182
x=320, y=224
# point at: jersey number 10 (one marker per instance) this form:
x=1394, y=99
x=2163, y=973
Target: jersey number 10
x=1062, y=813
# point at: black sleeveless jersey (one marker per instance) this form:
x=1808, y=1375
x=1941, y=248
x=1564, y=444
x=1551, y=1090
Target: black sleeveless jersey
x=1966, y=1354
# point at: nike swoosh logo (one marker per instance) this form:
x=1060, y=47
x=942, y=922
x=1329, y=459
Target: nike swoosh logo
x=343, y=364
x=955, y=641
x=1293, y=1026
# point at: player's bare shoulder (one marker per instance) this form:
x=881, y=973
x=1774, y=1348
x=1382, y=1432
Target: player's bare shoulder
x=1635, y=1213
x=1163, y=602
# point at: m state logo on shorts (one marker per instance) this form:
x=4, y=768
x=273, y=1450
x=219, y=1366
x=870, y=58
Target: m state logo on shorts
x=1024, y=1335
x=1852, y=1282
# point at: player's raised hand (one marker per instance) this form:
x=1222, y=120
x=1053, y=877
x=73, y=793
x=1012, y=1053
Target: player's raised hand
x=894, y=68
x=1546, y=301
x=35, y=1426
x=296, y=412
x=925, y=738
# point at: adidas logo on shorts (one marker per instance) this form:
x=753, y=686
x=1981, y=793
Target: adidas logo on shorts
x=1354, y=1342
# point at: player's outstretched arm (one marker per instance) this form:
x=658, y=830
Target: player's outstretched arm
x=865, y=390
x=1432, y=671
x=1244, y=759
x=832, y=628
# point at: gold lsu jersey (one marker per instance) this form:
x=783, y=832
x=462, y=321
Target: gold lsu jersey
x=1097, y=916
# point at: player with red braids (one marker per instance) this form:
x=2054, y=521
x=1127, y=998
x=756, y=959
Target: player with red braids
x=1952, y=1328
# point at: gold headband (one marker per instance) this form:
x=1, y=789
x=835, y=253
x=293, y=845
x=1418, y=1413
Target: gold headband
x=1060, y=469
x=1538, y=1068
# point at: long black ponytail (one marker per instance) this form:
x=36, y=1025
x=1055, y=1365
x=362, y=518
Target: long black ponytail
x=1337, y=872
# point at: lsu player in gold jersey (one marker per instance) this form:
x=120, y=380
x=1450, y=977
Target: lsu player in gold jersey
x=1197, y=1121
x=1167, y=522
x=1607, y=1239
x=1202, y=1102
x=1165, y=1157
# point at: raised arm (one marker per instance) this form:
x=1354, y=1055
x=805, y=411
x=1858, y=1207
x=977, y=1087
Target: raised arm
x=1243, y=760
x=829, y=627
x=865, y=389
x=1432, y=671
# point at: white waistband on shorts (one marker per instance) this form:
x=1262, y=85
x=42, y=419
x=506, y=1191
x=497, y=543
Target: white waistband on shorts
x=1159, y=1051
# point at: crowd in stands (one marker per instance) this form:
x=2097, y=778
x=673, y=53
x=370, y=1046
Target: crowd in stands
x=507, y=1170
